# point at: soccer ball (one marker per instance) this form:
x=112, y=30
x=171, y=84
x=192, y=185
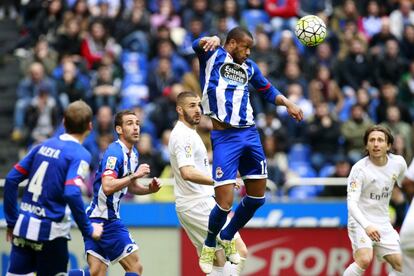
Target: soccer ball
x=310, y=30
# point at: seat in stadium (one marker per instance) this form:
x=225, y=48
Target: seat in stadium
x=254, y=18
x=299, y=153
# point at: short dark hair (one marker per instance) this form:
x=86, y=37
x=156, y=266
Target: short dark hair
x=120, y=115
x=237, y=34
x=184, y=95
x=388, y=136
x=77, y=117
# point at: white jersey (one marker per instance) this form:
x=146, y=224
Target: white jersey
x=187, y=149
x=370, y=188
x=407, y=229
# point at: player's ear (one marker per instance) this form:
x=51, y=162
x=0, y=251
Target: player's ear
x=179, y=110
x=118, y=130
x=90, y=126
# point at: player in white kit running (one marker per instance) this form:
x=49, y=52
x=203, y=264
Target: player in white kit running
x=407, y=229
x=370, y=185
x=190, y=165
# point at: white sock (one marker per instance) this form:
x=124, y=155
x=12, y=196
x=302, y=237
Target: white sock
x=217, y=271
x=240, y=266
x=353, y=270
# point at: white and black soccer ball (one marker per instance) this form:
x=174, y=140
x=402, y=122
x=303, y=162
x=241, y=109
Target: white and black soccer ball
x=310, y=30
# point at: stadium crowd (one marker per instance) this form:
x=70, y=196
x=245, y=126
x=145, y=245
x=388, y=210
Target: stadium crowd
x=117, y=54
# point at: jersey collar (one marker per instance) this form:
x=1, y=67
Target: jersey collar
x=68, y=137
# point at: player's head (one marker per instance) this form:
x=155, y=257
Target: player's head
x=188, y=108
x=77, y=118
x=127, y=126
x=239, y=42
x=378, y=141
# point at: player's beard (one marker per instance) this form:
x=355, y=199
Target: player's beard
x=191, y=120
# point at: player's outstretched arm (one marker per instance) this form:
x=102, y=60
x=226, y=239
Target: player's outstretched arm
x=294, y=110
x=190, y=173
x=110, y=184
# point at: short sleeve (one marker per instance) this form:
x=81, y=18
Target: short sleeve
x=111, y=162
x=355, y=183
x=78, y=169
x=403, y=171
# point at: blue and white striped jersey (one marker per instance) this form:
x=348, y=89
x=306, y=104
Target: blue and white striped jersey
x=55, y=170
x=225, y=86
x=118, y=163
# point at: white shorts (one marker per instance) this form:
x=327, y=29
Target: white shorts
x=388, y=244
x=195, y=222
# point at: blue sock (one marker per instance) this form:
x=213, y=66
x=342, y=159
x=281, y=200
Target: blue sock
x=244, y=212
x=216, y=221
x=131, y=274
x=78, y=272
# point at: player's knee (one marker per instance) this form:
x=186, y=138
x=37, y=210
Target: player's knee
x=397, y=265
x=363, y=261
x=242, y=251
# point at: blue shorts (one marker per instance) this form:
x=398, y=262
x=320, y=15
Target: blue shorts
x=115, y=243
x=237, y=149
x=44, y=258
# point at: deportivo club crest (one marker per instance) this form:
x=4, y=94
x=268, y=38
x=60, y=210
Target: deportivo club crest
x=219, y=172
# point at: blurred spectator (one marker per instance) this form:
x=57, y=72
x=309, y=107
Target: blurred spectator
x=81, y=12
x=296, y=130
x=263, y=51
x=102, y=127
x=69, y=40
x=166, y=16
x=70, y=87
x=196, y=31
x=146, y=126
x=160, y=79
x=406, y=89
x=315, y=7
x=283, y=13
x=342, y=169
x=43, y=54
x=163, y=114
x=399, y=127
x=111, y=7
x=97, y=43
x=259, y=104
x=388, y=97
x=166, y=50
x=274, y=173
x=325, y=89
x=347, y=12
x=323, y=57
x=149, y=155
x=161, y=34
x=407, y=42
x=352, y=130
x=323, y=133
x=399, y=147
x=377, y=42
x=401, y=17
x=371, y=22
x=131, y=32
x=346, y=38
x=105, y=88
x=8, y=8
x=191, y=80
x=200, y=9
x=292, y=74
x=369, y=102
x=391, y=65
x=203, y=129
x=355, y=70
x=284, y=42
x=41, y=117
x=163, y=147
x=269, y=124
x=231, y=13
x=27, y=89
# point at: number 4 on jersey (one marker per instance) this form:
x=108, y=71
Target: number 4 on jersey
x=35, y=185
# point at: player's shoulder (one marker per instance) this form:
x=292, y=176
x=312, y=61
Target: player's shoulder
x=114, y=149
x=180, y=131
x=361, y=164
x=397, y=159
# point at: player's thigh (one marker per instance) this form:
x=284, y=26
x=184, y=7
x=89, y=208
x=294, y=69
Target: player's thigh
x=96, y=266
x=395, y=260
x=54, y=257
x=117, y=241
x=359, y=239
x=253, y=161
x=363, y=257
x=22, y=260
x=95, y=250
x=389, y=245
x=195, y=221
x=227, y=149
